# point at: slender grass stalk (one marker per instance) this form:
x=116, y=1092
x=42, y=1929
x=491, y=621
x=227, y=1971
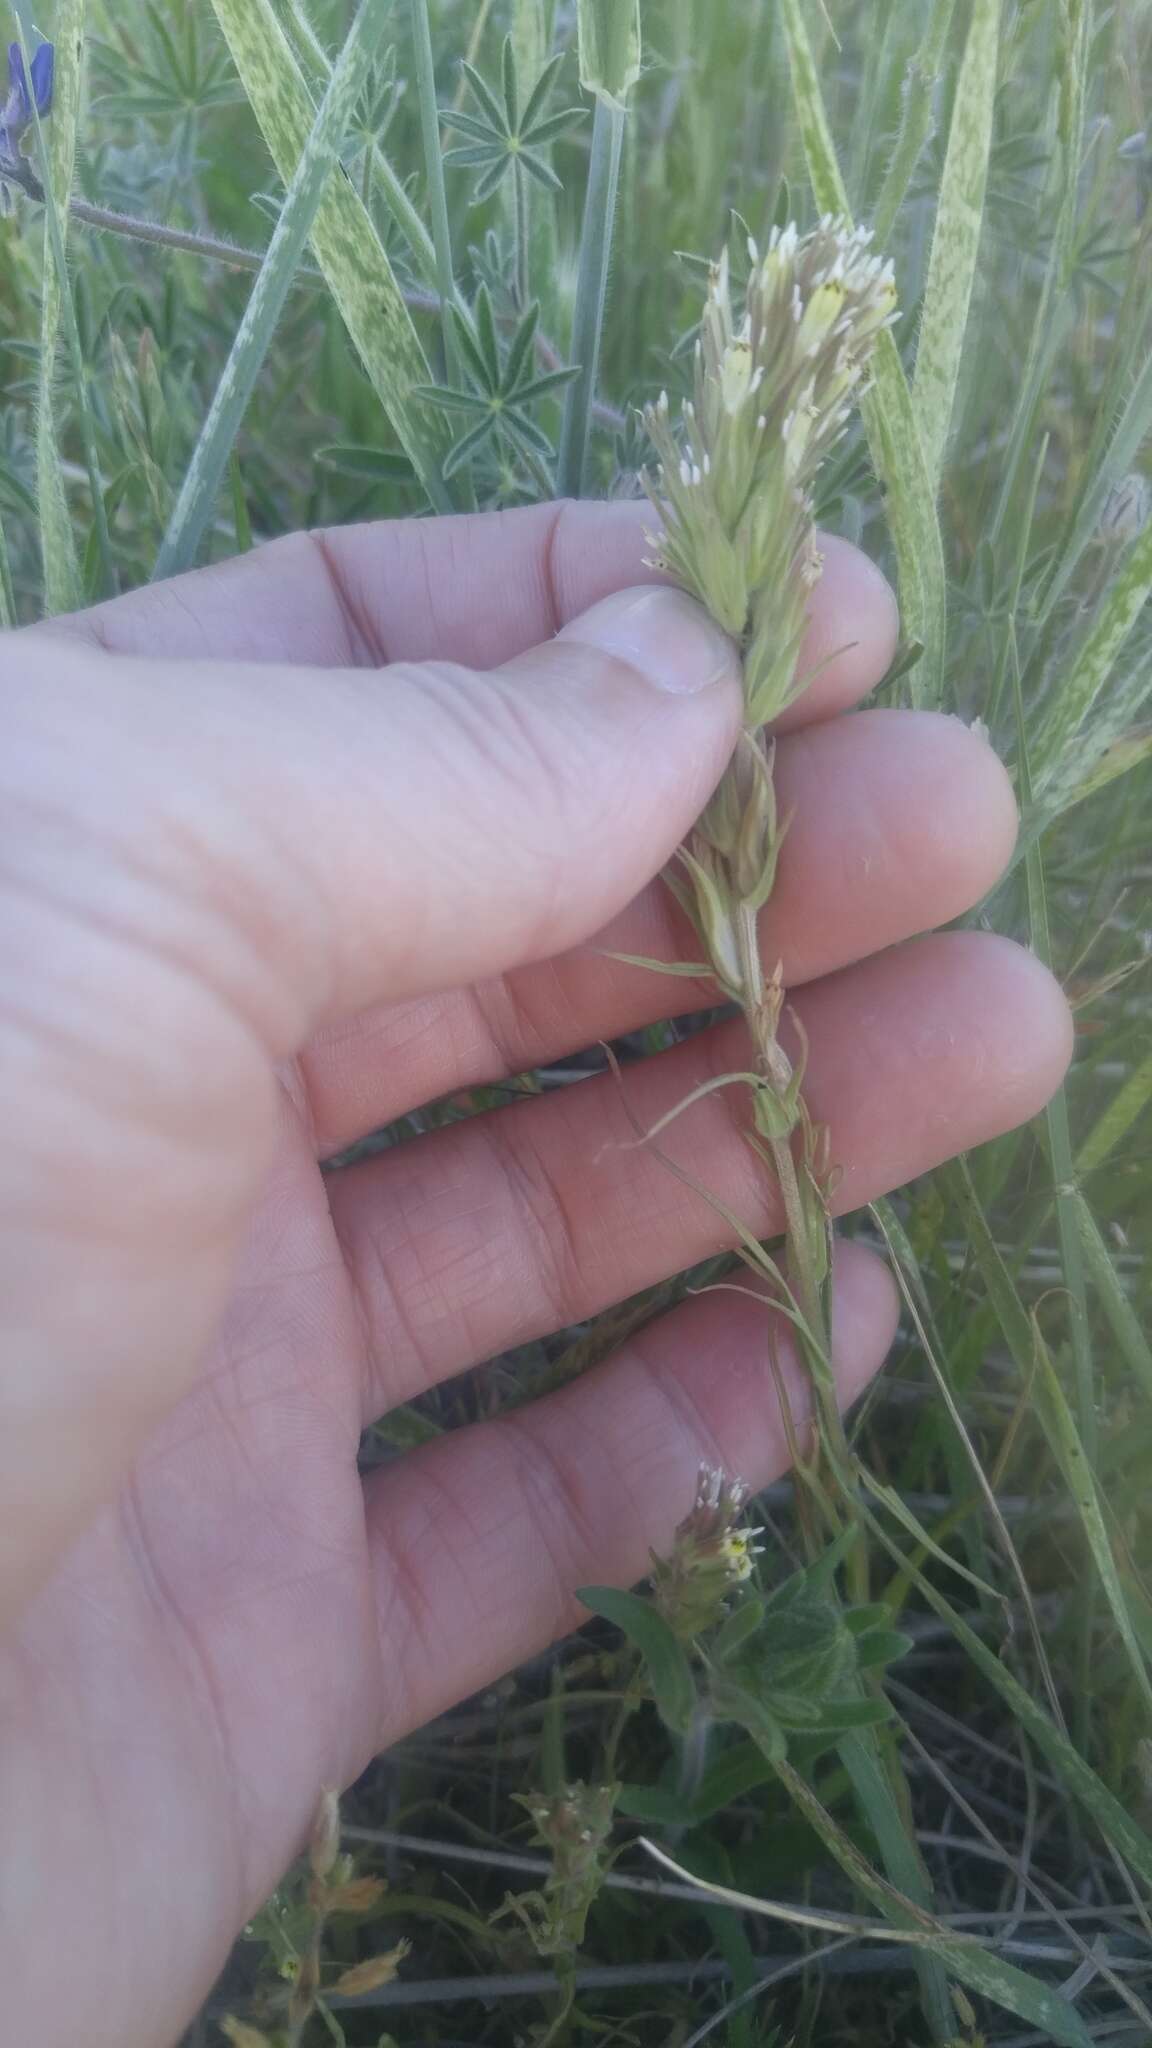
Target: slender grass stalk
x=63, y=588
x=1059, y=1134
x=591, y=293
x=7, y=593
x=347, y=246
x=205, y=474
x=956, y=238
x=434, y=176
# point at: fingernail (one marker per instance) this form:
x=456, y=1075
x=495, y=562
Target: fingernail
x=662, y=634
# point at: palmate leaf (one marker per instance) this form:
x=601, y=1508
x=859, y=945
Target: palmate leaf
x=502, y=139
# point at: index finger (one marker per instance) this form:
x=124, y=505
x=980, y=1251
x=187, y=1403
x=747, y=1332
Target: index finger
x=478, y=588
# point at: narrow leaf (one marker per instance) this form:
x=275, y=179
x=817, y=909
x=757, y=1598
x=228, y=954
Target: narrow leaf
x=348, y=248
x=665, y=1659
x=956, y=237
x=1085, y=676
x=205, y=473
x=1064, y=1442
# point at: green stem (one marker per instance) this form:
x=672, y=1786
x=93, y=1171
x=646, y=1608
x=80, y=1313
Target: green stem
x=591, y=293
x=72, y=335
x=434, y=173
x=520, y=235
x=7, y=593
x=195, y=505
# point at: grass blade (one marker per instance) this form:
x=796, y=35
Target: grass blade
x=206, y=470
x=1121, y=1316
x=1118, y=1119
x=889, y=419
x=56, y=152
x=609, y=44
x=1056, y=1117
x=1066, y=1447
x=1090, y=668
x=346, y=244
x=860, y=1753
x=989, y=1975
x=1116, y=1824
x=956, y=237
x=434, y=174
x=591, y=293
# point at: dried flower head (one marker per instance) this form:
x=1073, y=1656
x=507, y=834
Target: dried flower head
x=574, y=1825
x=775, y=382
x=711, y=1556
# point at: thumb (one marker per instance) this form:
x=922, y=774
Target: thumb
x=375, y=834
x=511, y=813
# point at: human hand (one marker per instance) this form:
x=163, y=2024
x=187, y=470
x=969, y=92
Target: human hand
x=258, y=898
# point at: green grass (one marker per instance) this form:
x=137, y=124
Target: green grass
x=1009, y=1442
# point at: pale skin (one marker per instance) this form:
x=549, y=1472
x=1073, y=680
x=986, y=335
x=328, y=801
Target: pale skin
x=259, y=895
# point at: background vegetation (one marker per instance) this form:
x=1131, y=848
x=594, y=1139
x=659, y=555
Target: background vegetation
x=1000, y=149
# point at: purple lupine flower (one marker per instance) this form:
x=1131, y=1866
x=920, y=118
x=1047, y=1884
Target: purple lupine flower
x=25, y=89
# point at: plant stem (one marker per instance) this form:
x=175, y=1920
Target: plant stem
x=591, y=293
x=55, y=237
x=197, y=498
x=434, y=173
x=520, y=235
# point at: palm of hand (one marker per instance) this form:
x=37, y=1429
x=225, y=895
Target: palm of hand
x=248, y=1622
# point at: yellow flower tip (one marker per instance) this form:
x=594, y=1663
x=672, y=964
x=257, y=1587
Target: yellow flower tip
x=737, y=373
x=820, y=316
